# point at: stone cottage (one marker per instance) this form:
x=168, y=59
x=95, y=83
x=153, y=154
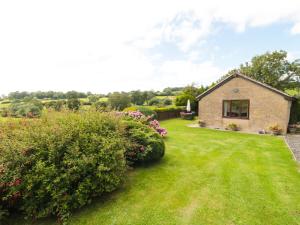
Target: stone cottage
x=253, y=106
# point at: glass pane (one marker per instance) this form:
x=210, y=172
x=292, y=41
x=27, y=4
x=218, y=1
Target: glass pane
x=235, y=109
x=244, y=108
x=226, y=109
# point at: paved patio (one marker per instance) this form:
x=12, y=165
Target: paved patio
x=294, y=143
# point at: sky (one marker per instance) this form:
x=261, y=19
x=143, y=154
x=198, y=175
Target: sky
x=105, y=46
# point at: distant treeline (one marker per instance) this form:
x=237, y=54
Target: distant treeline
x=47, y=95
x=169, y=91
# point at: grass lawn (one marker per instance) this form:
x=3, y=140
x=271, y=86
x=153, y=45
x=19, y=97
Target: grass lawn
x=206, y=177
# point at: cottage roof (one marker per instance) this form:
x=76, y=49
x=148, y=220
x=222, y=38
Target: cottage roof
x=225, y=80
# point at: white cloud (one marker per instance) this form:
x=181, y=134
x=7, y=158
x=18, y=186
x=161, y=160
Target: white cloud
x=293, y=55
x=180, y=72
x=100, y=45
x=296, y=29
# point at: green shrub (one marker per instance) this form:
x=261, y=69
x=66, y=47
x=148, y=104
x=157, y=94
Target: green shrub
x=295, y=111
x=29, y=109
x=160, y=102
x=145, y=145
x=119, y=100
x=93, y=98
x=154, y=101
x=169, y=109
x=73, y=104
x=182, y=100
x=167, y=101
x=56, y=105
x=101, y=106
x=60, y=162
x=232, y=126
x=190, y=92
x=4, y=112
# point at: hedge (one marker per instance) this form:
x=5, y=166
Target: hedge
x=147, y=111
x=295, y=111
x=59, y=163
x=168, y=112
x=160, y=113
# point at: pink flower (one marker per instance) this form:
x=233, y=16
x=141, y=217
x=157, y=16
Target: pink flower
x=17, y=182
x=137, y=115
x=142, y=149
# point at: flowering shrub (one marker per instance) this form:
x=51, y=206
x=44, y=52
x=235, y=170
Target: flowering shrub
x=137, y=115
x=145, y=135
x=232, y=126
x=147, y=120
x=59, y=163
x=156, y=126
x=276, y=129
x=145, y=110
x=145, y=144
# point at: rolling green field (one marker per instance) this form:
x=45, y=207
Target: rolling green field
x=206, y=177
x=292, y=92
x=163, y=97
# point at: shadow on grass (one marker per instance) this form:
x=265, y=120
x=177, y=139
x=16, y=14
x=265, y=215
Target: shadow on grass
x=158, y=162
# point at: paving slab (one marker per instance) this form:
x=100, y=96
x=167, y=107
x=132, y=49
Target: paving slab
x=293, y=141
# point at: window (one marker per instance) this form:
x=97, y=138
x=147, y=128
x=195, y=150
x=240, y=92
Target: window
x=236, y=109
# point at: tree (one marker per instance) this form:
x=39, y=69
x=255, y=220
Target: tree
x=73, y=104
x=296, y=66
x=272, y=68
x=148, y=95
x=137, y=97
x=168, y=91
x=119, y=100
x=93, y=98
x=100, y=106
x=190, y=92
x=58, y=105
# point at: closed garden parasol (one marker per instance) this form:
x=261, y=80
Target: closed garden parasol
x=188, y=106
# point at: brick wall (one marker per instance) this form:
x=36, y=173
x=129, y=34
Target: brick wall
x=266, y=107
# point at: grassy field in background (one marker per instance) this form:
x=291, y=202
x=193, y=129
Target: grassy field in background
x=163, y=97
x=206, y=177
x=292, y=92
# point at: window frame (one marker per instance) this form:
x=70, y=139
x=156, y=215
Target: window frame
x=231, y=100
